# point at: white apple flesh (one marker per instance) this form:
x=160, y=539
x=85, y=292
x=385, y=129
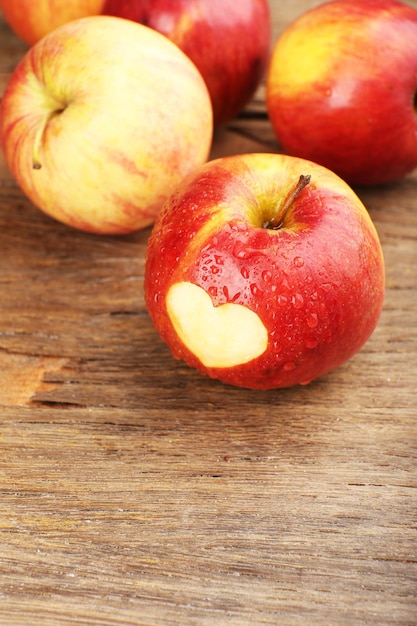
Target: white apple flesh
x=190, y=309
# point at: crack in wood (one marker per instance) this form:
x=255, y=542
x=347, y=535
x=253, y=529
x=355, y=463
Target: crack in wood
x=22, y=376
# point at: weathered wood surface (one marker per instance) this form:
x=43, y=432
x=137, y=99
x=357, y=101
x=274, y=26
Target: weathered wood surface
x=135, y=491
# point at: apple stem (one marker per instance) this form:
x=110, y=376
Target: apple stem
x=36, y=162
x=277, y=220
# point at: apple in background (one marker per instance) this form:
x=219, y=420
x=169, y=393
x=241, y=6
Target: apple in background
x=264, y=271
x=228, y=40
x=101, y=120
x=31, y=20
x=342, y=89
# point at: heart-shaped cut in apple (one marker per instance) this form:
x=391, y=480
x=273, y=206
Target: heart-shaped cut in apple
x=222, y=336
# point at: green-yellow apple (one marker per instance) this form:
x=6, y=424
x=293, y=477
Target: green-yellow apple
x=228, y=40
x=342, y=89
x=31, y=19
x=264, y=271
x=101, y=120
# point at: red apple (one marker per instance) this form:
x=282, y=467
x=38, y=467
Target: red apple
x=342, y=89
x=101, y=120
x=32, y=19
x=264, y=271
x=228, y=40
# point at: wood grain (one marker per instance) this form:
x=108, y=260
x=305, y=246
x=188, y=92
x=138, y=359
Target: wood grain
x=135, y=491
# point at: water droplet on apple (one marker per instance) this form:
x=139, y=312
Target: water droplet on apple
x=226, y=292
x=267, y=275
x=311, y=344
x=282, y=300
x=255, y=289
x=285, y=283
x=289, y=366
x=214, y=269
x=297, y=301
x=239, y=226
x=298, y=261
x=244, y=272
x=239, y=250
x=276, y=347
x=212, y=291
x=312, y=320
x=242, y=251
x=219, y=259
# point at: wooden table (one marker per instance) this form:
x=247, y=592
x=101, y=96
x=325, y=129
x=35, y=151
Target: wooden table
x=136, y=491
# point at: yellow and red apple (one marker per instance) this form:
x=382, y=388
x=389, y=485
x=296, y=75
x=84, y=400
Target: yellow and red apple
x=342, y=89
x=264, y=271
x=228, y=40
x=33, y=19
x=101, y=120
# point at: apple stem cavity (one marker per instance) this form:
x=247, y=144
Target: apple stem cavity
x=36, y=162
x=277, y=221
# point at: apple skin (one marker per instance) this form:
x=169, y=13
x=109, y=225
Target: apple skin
x=342, y=89
x=33, y=20
x=99, y=121
x=316, y=283
x=228, y=40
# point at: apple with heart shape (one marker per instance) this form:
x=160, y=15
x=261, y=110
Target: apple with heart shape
x=99, y=122
x=33, y=20
x=228, y=40
x=342, y=89
x=264, y=271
